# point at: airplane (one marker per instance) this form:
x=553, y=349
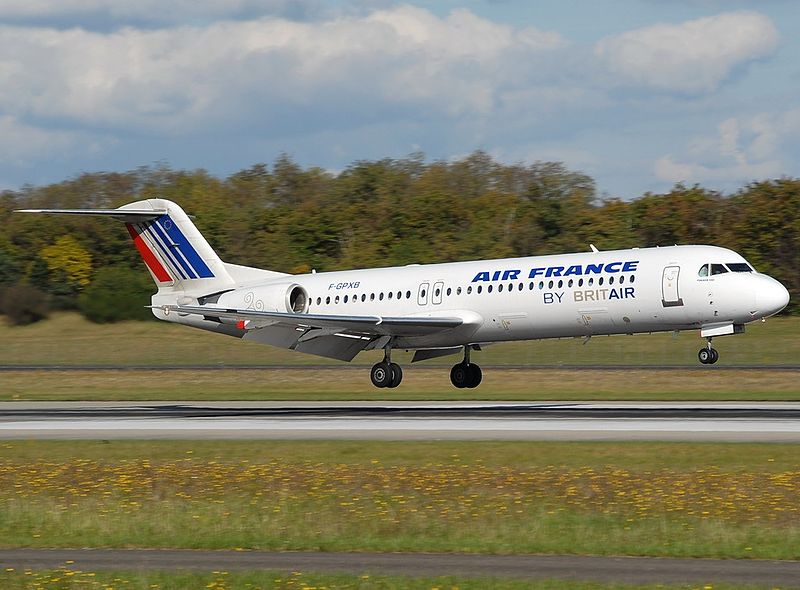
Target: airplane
x=442, y=309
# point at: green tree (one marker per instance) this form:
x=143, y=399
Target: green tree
x=117, y=294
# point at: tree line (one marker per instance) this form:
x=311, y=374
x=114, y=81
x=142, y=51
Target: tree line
x=374, y=213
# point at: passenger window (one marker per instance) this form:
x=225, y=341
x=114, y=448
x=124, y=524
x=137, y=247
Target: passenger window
x=521, y=286
x=621, y=280
x=458, y=291
x=550, y=285
x=541, y=285
x=569, y=284
x=389, y=295
x=703, y=272
x=600, y=281
x=327, y=301
x=499, y=288
x=449, y=291
x=345, y=298
x=610, y=280
x=337, y=299
x=319, y=300
x=633, y=278
x=580, y=282
x=363, y=297
x=408, y=294
x=437, y=292
x=469, y=290
x=718, y=269
x=372, y=296
x=591, y=281
x=530, y=286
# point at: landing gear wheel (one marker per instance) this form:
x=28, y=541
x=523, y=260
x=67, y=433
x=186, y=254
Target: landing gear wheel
x=381, y=375
x=397, y=375
x=708, y=356
x=475, y=376
x=466, y=375
x=459, y=375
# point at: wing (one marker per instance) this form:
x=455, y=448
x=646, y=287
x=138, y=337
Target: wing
x=126, y=215
x=334, y=336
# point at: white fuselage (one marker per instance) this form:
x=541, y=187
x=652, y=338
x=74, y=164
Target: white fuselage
x=583, y=294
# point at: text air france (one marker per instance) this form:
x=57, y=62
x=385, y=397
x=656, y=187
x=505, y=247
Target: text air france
x=559, y=271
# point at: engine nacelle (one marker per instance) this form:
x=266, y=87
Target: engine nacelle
x=284, y=297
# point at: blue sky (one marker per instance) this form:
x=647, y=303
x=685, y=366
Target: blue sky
x=639, y=94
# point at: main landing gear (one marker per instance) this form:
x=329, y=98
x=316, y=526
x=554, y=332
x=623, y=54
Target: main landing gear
x=708, y=355
x=465, y=373
x=386, y=373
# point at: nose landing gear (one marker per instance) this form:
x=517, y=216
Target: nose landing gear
x=708, y=355
x=465, y=373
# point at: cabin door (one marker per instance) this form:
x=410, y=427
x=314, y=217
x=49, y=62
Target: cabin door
x=422, y=294
x=670, y=295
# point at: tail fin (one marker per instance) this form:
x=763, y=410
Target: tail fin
x=175, y=252
x=177, y=255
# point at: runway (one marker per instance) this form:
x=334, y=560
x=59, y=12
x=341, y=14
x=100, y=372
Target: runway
x=622, y=570
x=585, y=421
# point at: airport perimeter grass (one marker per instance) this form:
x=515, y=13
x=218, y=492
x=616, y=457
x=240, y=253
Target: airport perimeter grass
x=420, y=383
x=68, y=339
x=661, y=499
x=69, y=579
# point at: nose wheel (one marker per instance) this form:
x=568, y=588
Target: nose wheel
x=708, y=355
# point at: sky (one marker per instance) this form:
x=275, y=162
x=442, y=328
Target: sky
x=638, y=94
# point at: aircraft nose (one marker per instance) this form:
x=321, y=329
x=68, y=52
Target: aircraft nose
x=771, y=297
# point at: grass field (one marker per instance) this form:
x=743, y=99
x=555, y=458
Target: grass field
x=68, y=339
x=68, y=579
x=712, y=500
x=419, y=383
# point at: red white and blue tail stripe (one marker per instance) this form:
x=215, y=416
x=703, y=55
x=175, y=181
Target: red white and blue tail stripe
x=167, y=252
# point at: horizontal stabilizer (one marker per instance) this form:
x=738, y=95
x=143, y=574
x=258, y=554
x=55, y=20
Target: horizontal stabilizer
x=127, y=215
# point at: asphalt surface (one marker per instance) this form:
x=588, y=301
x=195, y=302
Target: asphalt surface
x=736, y=422
x=623, y=570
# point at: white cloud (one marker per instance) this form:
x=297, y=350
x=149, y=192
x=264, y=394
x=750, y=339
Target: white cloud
x=742, y=150
x=259, y=72
x=694, y=56
x=19, y=142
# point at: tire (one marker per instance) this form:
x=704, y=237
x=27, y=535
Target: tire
x=381, y=375
x=704, y=356
x=459, y=375
x=714, y=356
x=475, y=376
x=397, y=375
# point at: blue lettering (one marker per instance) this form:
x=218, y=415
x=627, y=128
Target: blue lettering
x=594, y=268
x=554, y=271
x=613, y=266
x=534, y=272
x=613, y=294
x=510, y=275
x=575, y=269
x=548, y=298
x=629, y=292
x=630, y=266
x=481, y=276
x=496, y=275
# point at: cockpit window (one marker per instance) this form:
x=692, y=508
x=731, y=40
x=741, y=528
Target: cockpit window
x=739, y=267
x=718, y=269
x=703, y=272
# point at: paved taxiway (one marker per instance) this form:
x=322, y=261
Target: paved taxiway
x=686, y=421
x=626, y=570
